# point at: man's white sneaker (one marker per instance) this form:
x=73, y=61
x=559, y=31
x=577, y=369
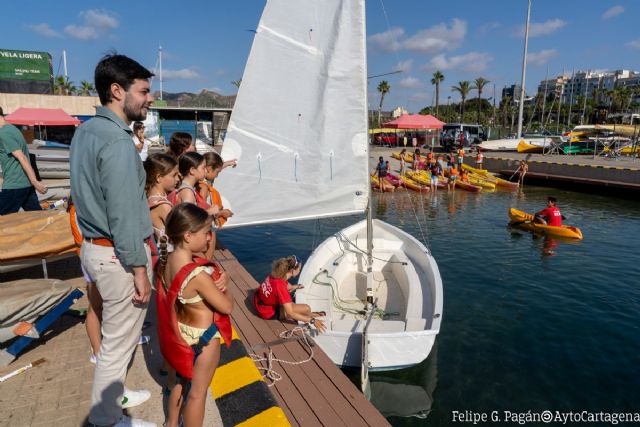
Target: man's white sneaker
x=133, y=422
x=133, y=398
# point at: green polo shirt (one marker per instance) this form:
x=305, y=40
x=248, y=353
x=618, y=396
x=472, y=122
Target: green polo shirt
x=11, y=139
x=107, y=186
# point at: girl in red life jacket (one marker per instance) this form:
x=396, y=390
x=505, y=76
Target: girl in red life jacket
x=193, y=306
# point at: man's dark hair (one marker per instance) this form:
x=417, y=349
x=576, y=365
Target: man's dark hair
x=1, y=112
x=114, y=68
x=552, y=199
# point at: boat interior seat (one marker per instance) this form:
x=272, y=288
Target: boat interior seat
x=376, y=325
x=416, y=324
x=409, y=282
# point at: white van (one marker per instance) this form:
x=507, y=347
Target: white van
x=471, y=134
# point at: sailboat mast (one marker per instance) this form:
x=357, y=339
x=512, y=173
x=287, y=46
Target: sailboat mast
x=370, y=202
x=160, y=67
x=524, y=71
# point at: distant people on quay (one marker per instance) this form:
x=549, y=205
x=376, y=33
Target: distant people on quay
x=416, y=160
x=142, y=145
x=19, y=183
x=274, y=297
x=523, y=168
x=107, y=187
x=550, y=215
x=479, y=158
x=193, y=306
x=403, y=161
x=460, y=157
x=453, y=177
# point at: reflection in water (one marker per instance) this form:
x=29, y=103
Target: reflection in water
x=549, y=244
x=406, y=393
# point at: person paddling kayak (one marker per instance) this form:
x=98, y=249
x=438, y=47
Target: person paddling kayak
x=550, y=215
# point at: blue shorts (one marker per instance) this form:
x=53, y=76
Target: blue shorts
x=434, y=179
x=11, y=200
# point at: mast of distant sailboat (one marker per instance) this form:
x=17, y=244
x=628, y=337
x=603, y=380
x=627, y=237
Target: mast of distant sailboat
x=524, y=71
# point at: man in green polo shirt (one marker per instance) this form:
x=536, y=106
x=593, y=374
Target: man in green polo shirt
x=19, y=180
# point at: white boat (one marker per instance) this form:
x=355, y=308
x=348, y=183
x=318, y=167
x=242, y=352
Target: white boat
x=407, y=286
x=300, y=136
x=511, y=144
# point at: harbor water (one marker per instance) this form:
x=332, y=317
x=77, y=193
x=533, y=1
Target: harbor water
x=529, y=323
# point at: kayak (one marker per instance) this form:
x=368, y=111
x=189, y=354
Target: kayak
x=393, y=179
x=462, y=185
x=424, y=178
x=524, y=221
x=412, y=185
x=485, y=174
x=386, y=185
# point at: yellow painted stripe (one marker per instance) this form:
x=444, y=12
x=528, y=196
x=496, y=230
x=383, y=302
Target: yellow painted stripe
x=234, y=375
x=271, y=417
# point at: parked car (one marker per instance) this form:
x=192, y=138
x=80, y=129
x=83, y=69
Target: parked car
x=455, y=135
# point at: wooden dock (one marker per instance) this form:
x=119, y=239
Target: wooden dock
x=315, y=393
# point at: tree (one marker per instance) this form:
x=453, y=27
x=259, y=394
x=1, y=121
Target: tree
x=383, y=88
x=86, y=88
x=435, y=80
x=463, y=89
x=480, y=83
x=62, y=86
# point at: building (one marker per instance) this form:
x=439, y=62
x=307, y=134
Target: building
x=513, y=92
x=24, y=71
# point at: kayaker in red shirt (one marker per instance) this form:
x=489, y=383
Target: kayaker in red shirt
x=273, y=299
x=551, y=215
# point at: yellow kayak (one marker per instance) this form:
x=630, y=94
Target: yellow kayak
x=485, y=174
x=525, y=221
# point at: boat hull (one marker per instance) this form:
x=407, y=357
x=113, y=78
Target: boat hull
x=412, y=296
x=524, y=221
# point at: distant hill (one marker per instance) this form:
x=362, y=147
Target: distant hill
x=205, y=98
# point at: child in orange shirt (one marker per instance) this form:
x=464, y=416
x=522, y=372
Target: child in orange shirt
x=215, y=165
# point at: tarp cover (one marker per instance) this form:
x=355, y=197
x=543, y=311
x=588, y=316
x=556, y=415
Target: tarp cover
x=32, y=234
x=27, y=299
x=41, y=117
x=415, y=121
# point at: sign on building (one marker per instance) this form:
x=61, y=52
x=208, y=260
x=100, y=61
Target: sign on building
x=25, y=72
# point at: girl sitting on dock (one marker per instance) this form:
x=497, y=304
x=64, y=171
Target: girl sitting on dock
x=193, y=308
x=273, y=298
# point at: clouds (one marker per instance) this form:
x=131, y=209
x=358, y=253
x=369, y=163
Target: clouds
x=404, y=66
x=410, y=83
x=633, y=44
x=613, y=11
x=540, y=58
x=473, y=62
x=545, y=28
x=44, y=30
x=94, y=23
x=429, y=40
x=182, y=74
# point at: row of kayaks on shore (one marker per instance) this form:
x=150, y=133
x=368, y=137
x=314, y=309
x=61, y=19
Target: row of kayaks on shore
x=525, y=221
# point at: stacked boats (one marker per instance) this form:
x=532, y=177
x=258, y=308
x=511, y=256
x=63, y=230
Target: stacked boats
x=477, y=180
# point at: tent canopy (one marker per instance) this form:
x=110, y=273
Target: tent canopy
x=415, y=121
x=41, y=117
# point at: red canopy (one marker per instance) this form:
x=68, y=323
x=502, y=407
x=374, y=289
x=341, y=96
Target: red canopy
x=415, y=121
x=41, y=117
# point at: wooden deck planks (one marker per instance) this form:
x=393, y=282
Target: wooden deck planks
x=313, y=393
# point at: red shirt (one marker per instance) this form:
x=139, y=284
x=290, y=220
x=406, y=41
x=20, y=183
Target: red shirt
x=553, y=216
x=271, y=293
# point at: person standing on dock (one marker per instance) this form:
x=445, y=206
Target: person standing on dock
x=142, y=145
x=107, y=185
x=19, y=184
x=523, y=168
x=479, y=158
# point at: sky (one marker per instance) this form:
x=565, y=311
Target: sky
x=206, y=43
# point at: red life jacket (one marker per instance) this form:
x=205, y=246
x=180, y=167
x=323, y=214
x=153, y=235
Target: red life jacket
x=174, y=348
x=200, y=202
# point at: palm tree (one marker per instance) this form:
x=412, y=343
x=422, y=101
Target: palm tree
x=62, y=86
x=463, y=88
x=480, y=83
x=383, y=88
x=86, y=88
x=435, y=80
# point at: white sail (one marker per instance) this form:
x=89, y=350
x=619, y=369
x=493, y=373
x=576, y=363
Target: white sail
x=298, y=127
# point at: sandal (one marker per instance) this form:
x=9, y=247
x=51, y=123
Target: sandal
x=318, y=314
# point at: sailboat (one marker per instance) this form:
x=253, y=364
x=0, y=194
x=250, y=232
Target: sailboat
x=299, y=133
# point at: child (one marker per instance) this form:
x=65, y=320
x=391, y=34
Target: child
x=453, y=176
x=403, y=160
x=215, y=165
x=273, y=299
x=387, y=167
x=522, y=171
x=193, y=308
x=180, y=143
x=162, y=178
x=460, y=157
x=479, y=158
x=436, y=171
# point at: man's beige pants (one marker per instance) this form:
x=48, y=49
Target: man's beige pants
x=121, y=328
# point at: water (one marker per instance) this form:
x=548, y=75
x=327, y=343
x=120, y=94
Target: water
x=528, y=324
